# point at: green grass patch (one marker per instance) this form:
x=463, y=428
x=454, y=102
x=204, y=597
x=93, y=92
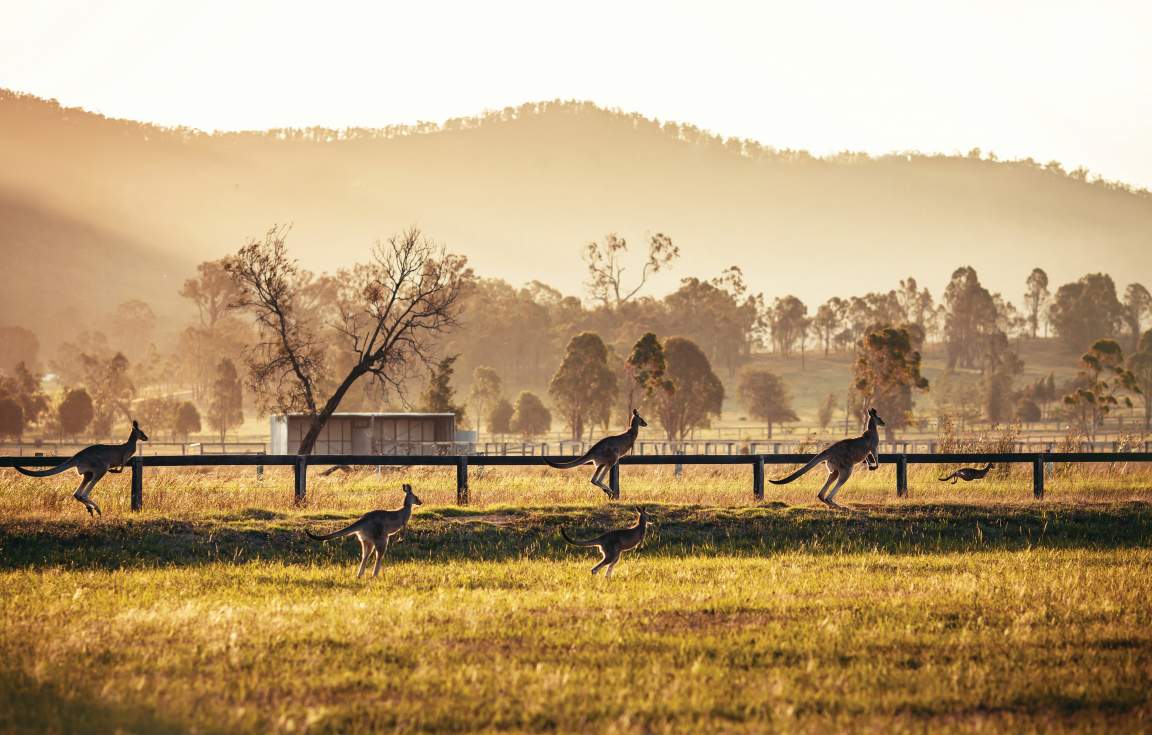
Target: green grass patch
x=766, y=618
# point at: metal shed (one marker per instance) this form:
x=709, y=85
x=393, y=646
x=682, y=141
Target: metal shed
x=368, y=433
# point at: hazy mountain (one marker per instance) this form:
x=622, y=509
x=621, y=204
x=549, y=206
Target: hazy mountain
x=121, y=206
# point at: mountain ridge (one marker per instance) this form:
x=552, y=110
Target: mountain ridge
x=520, y=190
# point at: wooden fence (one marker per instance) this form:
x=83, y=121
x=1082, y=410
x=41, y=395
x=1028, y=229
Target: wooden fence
x=755, y=462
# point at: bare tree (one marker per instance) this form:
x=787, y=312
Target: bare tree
x=386, y=314
x=606, y=270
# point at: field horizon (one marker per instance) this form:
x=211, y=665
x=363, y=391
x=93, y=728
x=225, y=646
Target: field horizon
x=901, y=619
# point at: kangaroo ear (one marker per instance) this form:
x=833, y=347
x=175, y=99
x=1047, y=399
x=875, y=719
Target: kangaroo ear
x=871, y=412
x=407, y=488
x=135, y=425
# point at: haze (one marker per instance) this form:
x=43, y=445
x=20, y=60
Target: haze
x=1051, y=81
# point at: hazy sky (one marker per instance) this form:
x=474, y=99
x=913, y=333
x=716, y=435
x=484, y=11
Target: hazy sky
x=1052, y=80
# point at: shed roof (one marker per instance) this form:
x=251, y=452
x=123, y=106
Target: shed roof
x=385, y=414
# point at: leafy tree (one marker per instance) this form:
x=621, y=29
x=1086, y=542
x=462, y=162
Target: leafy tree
x=157, y=414
x=1086, y=310
x=1035, y=298
x=645, y=367
x=219, y=334
x=696, y=395
x=226, y=402
x=485, y=391
x=1140, y=364
x=999, y=366
x=11, y=419
x=584, y=387
x=1096, y=391
x=717, y=315
x=828, y=319
x=111, y=389
x=827, y=408
x=788, y=319
x=886, y=371
x=439, y=395
x=500, y=417
x=187, y=420
x=213, y=291
x=24, y=388
x=75, y=412
x=530, y=418
x=915, y=302
x=971, y=314
x=388, y=312
x=766, y=397
x=1027, y=410
x=606, y=269
x=1137, y=305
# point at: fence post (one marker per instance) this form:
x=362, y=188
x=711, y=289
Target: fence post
x=137, y=484
x=462, y=481
x=614, y=480
x=758, y=479
x=1038, y=477
x=301, y=479
x=902, y=476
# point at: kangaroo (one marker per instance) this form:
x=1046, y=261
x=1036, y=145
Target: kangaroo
x=606, y=453
x=374, y=529
x=614, y=543
x=92, y=463
x=841, y=457
x=967, y=474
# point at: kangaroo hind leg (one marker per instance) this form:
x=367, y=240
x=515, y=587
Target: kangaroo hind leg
x=598, y=479
x=380, y=557
x=844, y=475
x=79, y=494
x=604, y=561
x=832, y=475
x=93, y=477
x=365, y=552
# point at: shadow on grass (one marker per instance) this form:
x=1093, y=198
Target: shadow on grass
x=501, y=534
x=30, y=706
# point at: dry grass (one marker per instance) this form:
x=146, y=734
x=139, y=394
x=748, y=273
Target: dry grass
x=191, y=490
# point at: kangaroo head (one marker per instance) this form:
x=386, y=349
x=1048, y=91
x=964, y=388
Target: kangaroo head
x=410, y=497
x=138, y=433
x=875, y=417
x=638, y=419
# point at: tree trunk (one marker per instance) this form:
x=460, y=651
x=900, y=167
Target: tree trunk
x=321, y=419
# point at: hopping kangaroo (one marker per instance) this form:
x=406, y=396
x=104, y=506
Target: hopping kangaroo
x=968, y=474
x=93, y=463
x=374, y=529
x=841, y=457
x=606, y=453
x=614, y=543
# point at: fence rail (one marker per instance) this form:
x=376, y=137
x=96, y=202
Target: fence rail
x=757, y=462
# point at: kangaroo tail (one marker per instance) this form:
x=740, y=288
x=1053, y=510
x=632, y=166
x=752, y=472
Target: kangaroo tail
x=572, y=541
x=570, y=463
x=346, y=531
x=811, y=463
x=48, y=472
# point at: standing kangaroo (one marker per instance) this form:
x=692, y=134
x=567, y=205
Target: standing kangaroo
x=614, y=543
x=968, y=474
x=374, y=529
x=841, y=457
x=606, y=453
x=93, y=463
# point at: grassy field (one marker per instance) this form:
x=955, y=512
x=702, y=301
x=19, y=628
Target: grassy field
x=961, y=609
